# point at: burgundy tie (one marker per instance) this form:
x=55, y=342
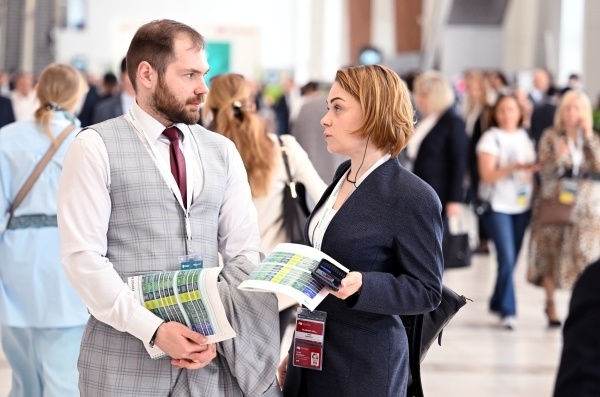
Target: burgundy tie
x=177, y=161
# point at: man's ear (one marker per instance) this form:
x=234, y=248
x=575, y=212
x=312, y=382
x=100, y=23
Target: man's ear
x=146, y=75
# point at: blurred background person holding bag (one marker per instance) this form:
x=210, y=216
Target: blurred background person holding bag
x=569, y=154
x=230, y=108
x=506, y=159
x=41, y=316
x=438, y=153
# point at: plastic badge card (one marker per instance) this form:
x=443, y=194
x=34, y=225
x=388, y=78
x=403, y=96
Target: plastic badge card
x=308, y=339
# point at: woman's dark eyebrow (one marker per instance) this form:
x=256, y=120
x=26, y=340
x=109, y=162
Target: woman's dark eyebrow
x=333, y=99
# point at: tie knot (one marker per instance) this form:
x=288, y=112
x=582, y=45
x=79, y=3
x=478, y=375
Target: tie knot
x=172, y=133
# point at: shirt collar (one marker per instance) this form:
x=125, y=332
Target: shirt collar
x=152, y=127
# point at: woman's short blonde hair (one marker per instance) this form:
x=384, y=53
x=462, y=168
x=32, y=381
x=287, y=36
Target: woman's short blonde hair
x=586, y=111
x=388, y=115
x=440, y=93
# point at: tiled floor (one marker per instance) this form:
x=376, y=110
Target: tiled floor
x=477, y=357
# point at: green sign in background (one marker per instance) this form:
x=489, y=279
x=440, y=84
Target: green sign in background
x=219, y=58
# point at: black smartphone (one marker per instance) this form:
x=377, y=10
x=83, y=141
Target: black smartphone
x=329, y=274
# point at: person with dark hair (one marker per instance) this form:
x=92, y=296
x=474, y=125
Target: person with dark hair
x=141, y=190
x=506, y=160
x=115, y=105
x=384, y=224
x=41, y=323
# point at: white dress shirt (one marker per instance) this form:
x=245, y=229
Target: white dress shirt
x=83, y=218
x=24, y=107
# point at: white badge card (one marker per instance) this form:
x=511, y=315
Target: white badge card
x=568, y=191
x=190, y=262
x=522, y=195
x=308, y=339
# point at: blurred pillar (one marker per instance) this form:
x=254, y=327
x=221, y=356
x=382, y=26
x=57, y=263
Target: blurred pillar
x=359, y=16
x=384, y=26
x=591, y=55
x=28, y=43
x=317, y=37
x=408, y=26
x=12, y=34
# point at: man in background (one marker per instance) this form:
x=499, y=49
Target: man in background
x=116, y=105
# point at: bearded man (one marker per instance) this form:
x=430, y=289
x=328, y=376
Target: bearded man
x=137, y=192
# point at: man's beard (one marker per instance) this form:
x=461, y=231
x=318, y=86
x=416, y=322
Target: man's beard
x=172, y=109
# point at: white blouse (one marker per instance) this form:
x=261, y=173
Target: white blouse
x=270, y=207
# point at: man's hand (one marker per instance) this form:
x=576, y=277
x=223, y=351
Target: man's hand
x=187, y=348
x=282, y=370
x=452, y=209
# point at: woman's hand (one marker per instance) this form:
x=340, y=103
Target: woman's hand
x=282, y=370
x=351, y=284
x=452, y=209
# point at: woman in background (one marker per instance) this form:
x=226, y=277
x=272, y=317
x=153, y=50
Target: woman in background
x=41, y=316
x=438, y=150
x=230, y=107
x=570, y=149
x=476, y=112
x=506, y=158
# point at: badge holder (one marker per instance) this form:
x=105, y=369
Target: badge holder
x=568, y=191
x=308, y=339
x=522, y=195
x=190, y=262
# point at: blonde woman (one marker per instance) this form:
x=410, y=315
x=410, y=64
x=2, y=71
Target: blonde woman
x=41, y=316
x=230, y=107
x=439, y=147
x=570, y=149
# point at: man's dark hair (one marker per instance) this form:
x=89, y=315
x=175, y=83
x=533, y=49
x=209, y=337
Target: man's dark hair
x=154, y=42
x=309, y=88
x=110, y=80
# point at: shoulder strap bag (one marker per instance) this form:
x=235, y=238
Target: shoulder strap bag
x=37, y=171
x=295, y=209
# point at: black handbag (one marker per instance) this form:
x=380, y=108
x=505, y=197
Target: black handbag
x=456, y=250
x=295, y=209
x=481, y=206
x=422, y=331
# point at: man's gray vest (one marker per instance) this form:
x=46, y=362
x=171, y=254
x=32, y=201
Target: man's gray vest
x=146, y=231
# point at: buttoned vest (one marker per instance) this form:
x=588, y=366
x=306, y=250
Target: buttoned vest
x=146, y=231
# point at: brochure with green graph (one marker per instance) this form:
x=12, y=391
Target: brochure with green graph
x=189, y=297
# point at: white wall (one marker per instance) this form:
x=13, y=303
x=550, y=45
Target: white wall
x=278, y=35
x=591, y=58
x=261, y=31
x=467, y=46
x=521, y=41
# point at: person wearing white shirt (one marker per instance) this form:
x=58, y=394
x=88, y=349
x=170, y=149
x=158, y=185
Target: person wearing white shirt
x=23, y=97
x=122, y=213
x=506, y=159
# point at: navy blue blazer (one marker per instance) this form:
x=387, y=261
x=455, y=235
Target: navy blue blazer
x=579, y=370
x=7, y=115
x=443, y=157
x=390, y=230
x=108, y=108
